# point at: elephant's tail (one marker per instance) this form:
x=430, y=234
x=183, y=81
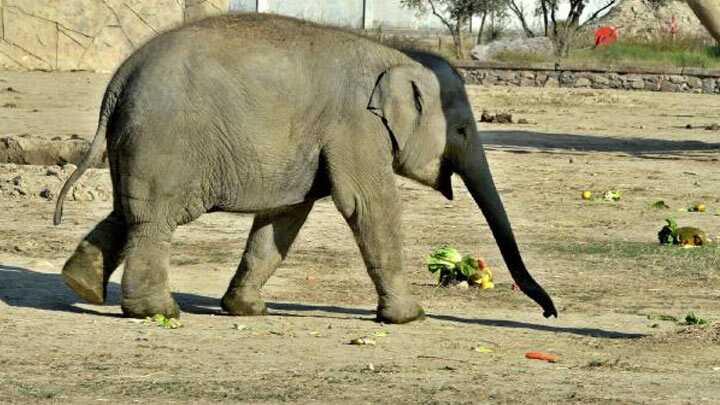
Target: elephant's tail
x=95, y=151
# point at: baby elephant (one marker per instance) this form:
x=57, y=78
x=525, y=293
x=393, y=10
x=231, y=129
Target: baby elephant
x=257, y=113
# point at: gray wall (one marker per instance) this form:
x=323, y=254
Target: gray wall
x=368, y=14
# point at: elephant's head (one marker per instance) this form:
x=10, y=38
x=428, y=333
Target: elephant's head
x=429, y=119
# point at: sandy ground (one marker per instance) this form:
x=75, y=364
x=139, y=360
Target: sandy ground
x=599, y=260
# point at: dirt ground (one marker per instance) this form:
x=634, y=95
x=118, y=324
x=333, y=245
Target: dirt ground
x=614, y=286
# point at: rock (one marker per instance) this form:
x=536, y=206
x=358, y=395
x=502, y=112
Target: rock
x=694, y=83
x=642, y=18
x=552, y=82
x=53, y=171
x=463, y=285
x=583, y=82
x=567, y=79
x=523, y=121
x=17, y=180
x=503, y=118
x=486, y=117
x=538, y=45
x=708, y=85
x=600, y=81
x=46, y=194
x=712, y=127
x=499, y=118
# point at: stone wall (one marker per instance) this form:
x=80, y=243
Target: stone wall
x=541, y=75
x=87, y=34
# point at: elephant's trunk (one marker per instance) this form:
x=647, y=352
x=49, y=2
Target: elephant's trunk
x=475, y=172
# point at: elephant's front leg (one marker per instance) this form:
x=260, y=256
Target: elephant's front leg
x=269, y=241
x=371, y=206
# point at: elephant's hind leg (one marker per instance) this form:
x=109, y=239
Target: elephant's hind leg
x=269, y=241
x=145, y=287
x=95, y=259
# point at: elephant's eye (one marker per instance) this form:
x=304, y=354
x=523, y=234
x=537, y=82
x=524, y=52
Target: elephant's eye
x=462, y=131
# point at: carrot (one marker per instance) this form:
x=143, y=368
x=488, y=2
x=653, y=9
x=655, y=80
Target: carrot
x=542, y=356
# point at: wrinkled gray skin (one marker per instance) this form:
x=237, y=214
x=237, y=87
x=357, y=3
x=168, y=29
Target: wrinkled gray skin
x=265, y=114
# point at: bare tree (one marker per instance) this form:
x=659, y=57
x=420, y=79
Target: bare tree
x=564, y=31
x=519, y=12
x=455, y=14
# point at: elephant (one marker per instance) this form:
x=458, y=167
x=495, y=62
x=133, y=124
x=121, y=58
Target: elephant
x=263, y=114
x=708, y=12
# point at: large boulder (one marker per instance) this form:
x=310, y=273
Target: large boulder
x=645, y=18
x=487, y=52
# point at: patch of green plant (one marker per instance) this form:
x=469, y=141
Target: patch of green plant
x=692, y=319
x=662, y=317
x=521, y=57
x=628, y=249
x=652, y=53
x=38, y=392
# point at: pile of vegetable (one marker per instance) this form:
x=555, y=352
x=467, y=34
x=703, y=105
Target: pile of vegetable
x=452, y=268
x=686, y=236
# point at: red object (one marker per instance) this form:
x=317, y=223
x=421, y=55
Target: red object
x=542, y=356
x=605, y=36
x=674, y=28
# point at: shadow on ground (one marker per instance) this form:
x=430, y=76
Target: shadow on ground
x=24, y=288
x=528, y=141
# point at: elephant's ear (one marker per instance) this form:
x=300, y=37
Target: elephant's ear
x=398, y=98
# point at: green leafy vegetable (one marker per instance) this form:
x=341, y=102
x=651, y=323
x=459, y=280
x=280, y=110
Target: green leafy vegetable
x=468, y=266
x=611, y=195
x=165, y=322
x=444, y=259
x=451, y=266
x=668, y=235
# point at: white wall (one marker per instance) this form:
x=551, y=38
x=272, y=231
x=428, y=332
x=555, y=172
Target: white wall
x=386, y=14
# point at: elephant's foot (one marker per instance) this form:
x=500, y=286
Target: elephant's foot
x=399, y=310
x=244, y=303
x=84, y=274
x=151, y=305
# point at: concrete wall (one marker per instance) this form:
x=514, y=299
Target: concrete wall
x=98, y=34
x=367, y=14
x=87, y=34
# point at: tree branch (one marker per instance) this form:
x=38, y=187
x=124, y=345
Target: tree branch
x=597, y=13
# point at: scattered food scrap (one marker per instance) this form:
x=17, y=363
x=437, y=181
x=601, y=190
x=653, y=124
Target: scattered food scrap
x=686, y=236
x=542, y=356
x=612, y=195
x=660, y=204
x=363, y=341
x=164, y=322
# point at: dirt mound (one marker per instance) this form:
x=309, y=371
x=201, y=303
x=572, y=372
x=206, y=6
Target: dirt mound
x=697, y=333
x=21, y=182
x=649, y=19
x=29, y=150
